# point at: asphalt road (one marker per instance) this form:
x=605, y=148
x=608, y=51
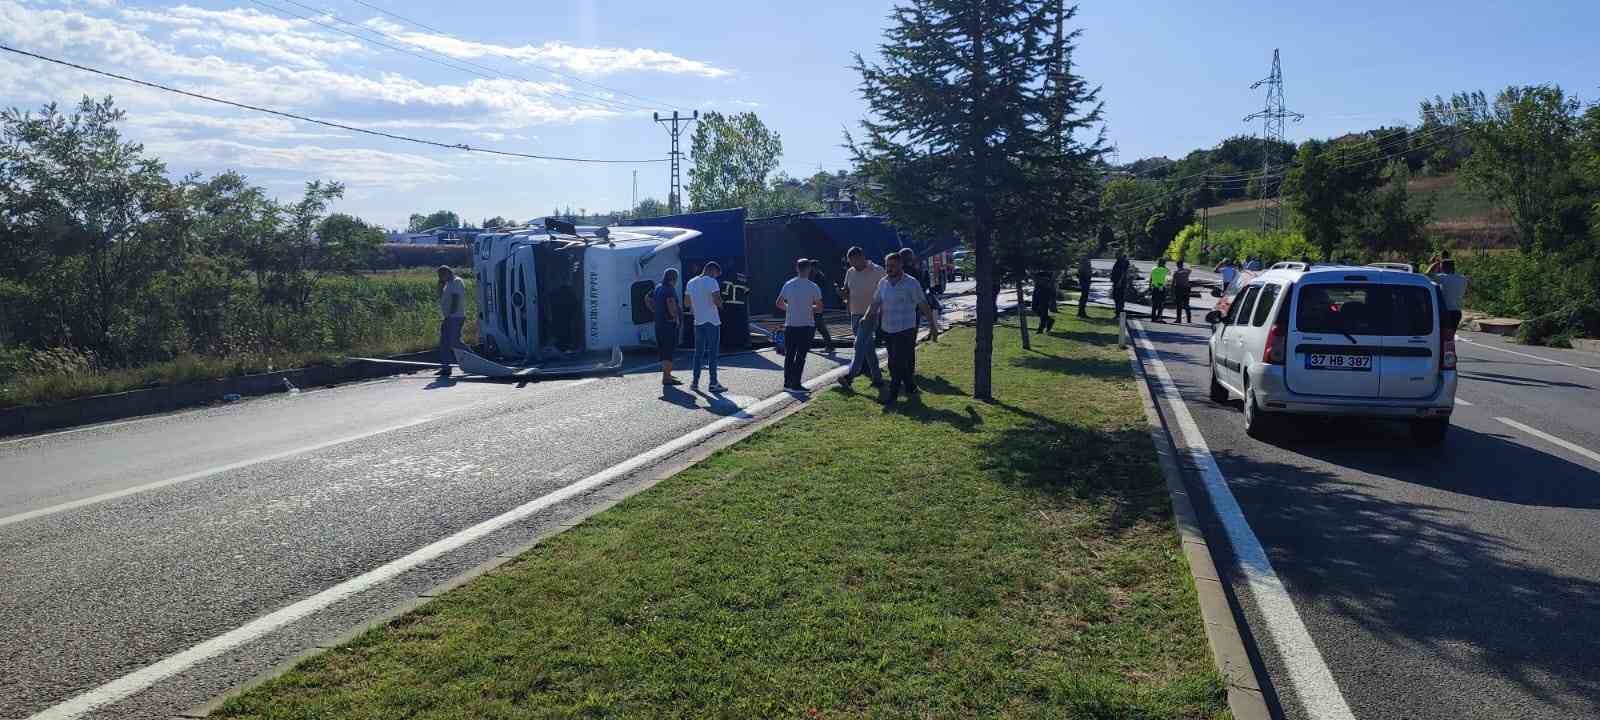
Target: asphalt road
x=124, y=544
x=1457, y=582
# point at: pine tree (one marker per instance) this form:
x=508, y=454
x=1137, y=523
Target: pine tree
x=975, y=118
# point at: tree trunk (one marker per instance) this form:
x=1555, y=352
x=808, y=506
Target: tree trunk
x=983, y=213
x=983, y=349
x=1022, y=316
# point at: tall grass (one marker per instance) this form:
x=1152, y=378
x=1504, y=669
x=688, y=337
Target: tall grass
x=380, y=314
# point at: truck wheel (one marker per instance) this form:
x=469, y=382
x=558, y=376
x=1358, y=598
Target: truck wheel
x=1430, y=432
x=1219, y=394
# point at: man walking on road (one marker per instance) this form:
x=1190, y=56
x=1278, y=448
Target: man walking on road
x=1085, y=278
x=800, y=301
x=1181, y=313
x=663, y=302
x=821, y=280
x=703, y=296
x=860, y=284
x=1158, y=290
x=453, y=313
x=896, y=304
x=1119, y=282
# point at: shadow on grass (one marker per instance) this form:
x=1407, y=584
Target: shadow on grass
x=915, y=409
x=1070, y=462
x=1087, y=367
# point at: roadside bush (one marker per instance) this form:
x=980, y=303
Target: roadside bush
x=1489, y=281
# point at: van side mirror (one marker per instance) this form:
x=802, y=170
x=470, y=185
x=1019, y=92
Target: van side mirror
x=1214, y=317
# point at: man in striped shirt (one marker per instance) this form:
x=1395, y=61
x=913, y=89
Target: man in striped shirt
x=898, y=300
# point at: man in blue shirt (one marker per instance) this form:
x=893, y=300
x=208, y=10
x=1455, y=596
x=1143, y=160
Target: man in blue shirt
x=663, y=301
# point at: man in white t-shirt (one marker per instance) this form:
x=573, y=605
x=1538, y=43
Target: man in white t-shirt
x=800, y=301
x=704, y=296
x=860, y=284
x=453, y=311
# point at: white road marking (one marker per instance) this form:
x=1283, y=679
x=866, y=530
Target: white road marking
x=149, y=675
x=1462, y=401
x=1487, y=346
x=1547, y=437
x=1313, y=683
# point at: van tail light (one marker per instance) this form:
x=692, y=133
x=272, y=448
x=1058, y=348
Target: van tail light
x=1447, y=355
x=1275, y=341
x=1278, y=334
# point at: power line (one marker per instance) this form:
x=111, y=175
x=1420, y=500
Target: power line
x=575, y=78
x=325, y=123
x=465, y=66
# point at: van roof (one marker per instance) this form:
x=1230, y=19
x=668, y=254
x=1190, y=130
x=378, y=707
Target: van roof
x=1339, y=273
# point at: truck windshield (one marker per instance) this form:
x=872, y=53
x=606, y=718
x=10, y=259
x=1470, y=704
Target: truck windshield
x=560, y=267
x=1394, y=310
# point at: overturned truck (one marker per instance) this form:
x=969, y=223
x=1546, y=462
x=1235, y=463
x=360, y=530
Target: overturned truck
x=564, y=300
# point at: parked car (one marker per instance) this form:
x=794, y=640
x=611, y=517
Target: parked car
x=1336, y=340
x=958, y=266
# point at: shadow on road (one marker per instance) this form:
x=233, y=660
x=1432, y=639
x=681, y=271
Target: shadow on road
x=1414, y=574
x=1521, y=381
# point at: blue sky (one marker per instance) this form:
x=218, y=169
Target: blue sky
x=1176, y=76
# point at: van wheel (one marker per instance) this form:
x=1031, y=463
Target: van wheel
x=1430, y=432
x=1219, y=394
x=1257, y=423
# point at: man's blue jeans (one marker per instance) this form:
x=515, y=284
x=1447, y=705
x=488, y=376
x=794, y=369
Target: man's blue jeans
x=707, y=343
x=865, y=361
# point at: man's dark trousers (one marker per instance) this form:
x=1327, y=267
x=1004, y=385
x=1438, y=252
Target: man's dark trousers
x=902, y=361
x=1158, y=302
x=796, y=343
x=1083, y=297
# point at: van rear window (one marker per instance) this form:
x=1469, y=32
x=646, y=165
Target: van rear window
x=1396, y=310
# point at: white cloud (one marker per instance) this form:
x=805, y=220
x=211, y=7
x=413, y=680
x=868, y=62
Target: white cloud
x=292, y=48
x=582, y=60
x=355, y=166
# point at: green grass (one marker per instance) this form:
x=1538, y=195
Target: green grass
x=948, y=559
x=385, y=313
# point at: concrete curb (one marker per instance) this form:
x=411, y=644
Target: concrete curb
x=1586, y=345
x=28, y=419
x=1244, y=679
x=623, y=489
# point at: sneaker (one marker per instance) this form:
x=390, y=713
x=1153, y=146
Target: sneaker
x=913, y=390
x=716, y=388
x=844, y=381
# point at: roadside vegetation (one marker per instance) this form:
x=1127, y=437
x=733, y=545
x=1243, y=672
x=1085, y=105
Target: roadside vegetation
x=1509, y=183
x=114, y=276
x=952, y=558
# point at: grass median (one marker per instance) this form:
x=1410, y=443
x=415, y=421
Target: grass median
x=950, y=558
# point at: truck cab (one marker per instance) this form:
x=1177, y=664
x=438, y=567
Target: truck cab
x=547, y=295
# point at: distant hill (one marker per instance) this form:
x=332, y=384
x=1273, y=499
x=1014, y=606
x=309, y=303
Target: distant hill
x=1461, y=217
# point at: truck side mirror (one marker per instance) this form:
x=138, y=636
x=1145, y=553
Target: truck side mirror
x=1214, y=317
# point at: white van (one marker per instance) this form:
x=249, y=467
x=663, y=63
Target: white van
x=1336, y=340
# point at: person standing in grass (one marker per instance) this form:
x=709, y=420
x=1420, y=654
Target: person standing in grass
x=453, y=313
x=663, y=303
x=860, y=283
x=800, y=301
x=1085, y=278
x=1452, y=289
x=1158, y=290
x=1044, y=300
x=703, y=297
x=1181, y=313
x=896, y=304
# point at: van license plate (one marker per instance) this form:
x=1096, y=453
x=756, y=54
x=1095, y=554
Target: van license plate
x=1330, y=361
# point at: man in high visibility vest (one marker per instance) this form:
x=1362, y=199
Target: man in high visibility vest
x=1158, y=289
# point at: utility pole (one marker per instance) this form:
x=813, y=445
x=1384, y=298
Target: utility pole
x=675, y=126
x=1272, y=117
x=1205, y=212
x=634, y=208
